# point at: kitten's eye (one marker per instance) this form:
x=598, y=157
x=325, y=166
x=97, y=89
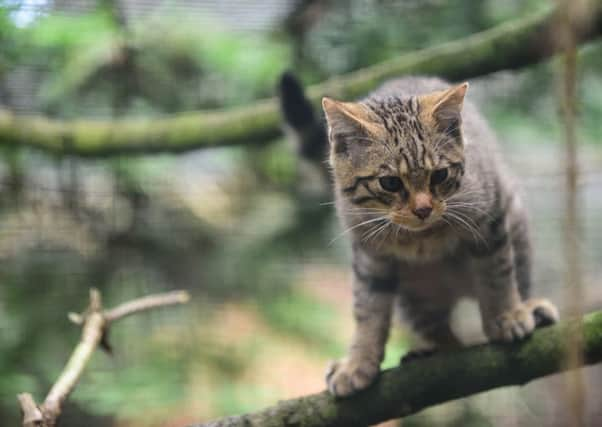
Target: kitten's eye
x=391, y=183
x=438, y=176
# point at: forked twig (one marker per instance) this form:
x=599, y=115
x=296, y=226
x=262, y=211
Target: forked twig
x=95, y=324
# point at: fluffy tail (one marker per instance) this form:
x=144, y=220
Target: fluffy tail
x=302, y=123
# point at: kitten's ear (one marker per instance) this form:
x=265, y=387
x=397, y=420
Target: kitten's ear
x=452, y=98
x=445, y=106
x=348, y=117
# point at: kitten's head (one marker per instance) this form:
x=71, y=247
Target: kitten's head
x=400, y=158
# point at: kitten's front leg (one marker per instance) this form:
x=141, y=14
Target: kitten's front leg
x=373, y=294
x=505, y=316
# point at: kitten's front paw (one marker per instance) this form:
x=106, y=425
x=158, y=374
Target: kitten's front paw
x=346, y=377
x=521, y=321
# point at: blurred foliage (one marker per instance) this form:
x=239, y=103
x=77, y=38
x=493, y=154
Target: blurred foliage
x=9, y=40
x=354, y=34
x=156, y=65
x=151, y=385
x=297, y=314
x=526, y=110
x=59, y=36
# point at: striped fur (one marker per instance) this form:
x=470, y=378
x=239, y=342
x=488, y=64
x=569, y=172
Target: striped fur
x=433, y=216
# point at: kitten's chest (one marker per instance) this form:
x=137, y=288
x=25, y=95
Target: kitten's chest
x=423, y=248
x=439, y=282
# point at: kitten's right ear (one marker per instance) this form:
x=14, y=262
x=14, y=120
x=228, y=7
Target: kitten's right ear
x=329, y=106
x=348, y=118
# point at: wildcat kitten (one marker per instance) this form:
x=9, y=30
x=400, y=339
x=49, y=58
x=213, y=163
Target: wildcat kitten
x=433, y=216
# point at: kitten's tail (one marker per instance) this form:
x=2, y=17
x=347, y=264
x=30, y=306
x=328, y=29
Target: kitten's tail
x=305, y=126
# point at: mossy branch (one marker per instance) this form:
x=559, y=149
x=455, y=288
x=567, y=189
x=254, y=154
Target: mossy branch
x=440, y=378
x=510, y=45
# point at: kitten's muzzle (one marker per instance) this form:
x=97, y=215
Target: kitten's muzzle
x=423, y=205
x=423, y=212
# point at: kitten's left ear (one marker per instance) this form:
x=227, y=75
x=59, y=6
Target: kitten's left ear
x=452, y=98
x=445, y=106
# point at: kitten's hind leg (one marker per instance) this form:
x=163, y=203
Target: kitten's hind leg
x=521, y=250
x=506, y=314
x=544, y=312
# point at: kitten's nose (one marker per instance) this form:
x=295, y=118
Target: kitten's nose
x=423, y=212
x=423, y=205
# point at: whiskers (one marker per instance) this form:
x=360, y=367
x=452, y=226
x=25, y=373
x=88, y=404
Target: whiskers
x=378, y=220
x=453, y=216
x=465, y=211
x=378, y=230
x=364, y=210
x=383, y=231
x=378, y=226
x=470, y=208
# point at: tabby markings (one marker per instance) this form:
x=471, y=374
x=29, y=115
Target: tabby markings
x=358, y=181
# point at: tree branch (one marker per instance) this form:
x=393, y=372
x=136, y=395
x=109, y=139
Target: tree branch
x=511, y=45
x=146, y=303
x=440, y=378
x=96, y=324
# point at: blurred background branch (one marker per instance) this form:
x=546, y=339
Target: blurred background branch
x=511, y=45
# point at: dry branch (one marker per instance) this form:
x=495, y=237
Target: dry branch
x=96, y=323
x=146, y=303
x=440, y=378
x=511, y=45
